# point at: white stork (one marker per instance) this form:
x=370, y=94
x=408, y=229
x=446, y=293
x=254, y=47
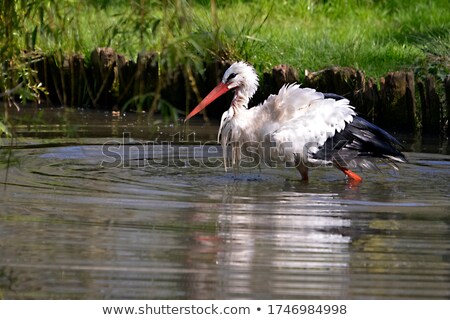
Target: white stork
x=299, y=126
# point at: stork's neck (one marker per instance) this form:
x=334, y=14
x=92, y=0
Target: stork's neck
x=240, y=100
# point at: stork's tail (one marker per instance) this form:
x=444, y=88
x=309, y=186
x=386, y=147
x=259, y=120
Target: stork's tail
x=358, y=143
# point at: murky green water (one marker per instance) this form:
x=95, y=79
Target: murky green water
x=155, y=227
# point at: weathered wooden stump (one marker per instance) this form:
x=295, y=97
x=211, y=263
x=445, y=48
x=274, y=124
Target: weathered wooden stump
x=65, y=79
x=75, y=80
x=146, y=77
x=345, y=81
x=126, y=73
x=340, y=80
x=102, y=76
x=447, y=99
x=431, y=106
x=369, y=99
x=49, y=75
x=40, y=66
x=283, y=74
x=138, y=81
x=173, y=88
x=397, y=110
x=271, y=82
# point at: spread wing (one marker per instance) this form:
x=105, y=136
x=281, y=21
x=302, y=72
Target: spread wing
x=307, y=120
x=301, y=124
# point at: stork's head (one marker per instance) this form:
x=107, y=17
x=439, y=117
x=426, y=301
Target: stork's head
x=243, y=76
x=240, y=76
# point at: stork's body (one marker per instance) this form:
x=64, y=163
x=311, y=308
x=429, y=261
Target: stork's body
x=299, y=126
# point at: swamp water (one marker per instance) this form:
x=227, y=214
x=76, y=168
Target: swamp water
x=71, y=228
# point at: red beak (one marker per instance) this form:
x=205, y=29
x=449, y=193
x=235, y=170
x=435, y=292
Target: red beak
x=219, y=90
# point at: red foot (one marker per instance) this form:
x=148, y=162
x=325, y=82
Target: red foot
x=351, y=175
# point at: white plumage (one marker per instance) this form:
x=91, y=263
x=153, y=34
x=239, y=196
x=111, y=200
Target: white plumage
x=293, y=126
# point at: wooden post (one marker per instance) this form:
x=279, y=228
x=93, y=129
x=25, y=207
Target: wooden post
x=397, y=110
x=431, y=106
x=283, y=74
x=103, y=63
x=345, y=81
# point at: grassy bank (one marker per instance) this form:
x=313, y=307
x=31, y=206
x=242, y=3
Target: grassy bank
x=374, y=36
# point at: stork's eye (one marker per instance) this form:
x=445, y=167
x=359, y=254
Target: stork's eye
x=231, y=76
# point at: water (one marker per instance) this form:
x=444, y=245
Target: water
x=70, y=228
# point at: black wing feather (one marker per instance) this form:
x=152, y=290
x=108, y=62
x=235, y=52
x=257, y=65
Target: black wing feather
x=360, y=139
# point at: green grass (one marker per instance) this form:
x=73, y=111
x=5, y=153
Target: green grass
x=374, y=36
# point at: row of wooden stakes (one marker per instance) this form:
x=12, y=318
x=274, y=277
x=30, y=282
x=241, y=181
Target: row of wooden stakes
x=399, y=101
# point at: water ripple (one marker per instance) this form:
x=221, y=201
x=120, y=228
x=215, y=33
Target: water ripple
x=73, y=229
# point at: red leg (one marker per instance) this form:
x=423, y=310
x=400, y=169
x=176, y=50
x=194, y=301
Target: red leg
x=349, y=173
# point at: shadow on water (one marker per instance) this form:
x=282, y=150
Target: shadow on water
x=71, y=228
